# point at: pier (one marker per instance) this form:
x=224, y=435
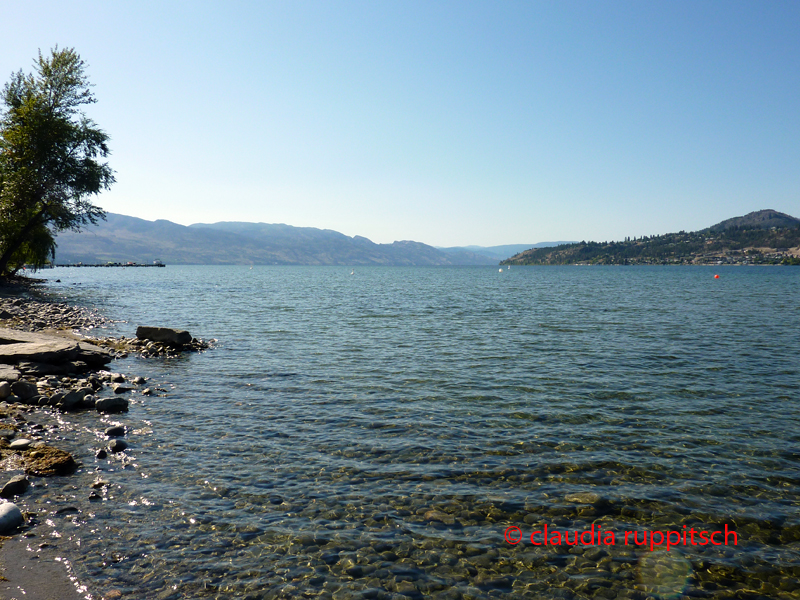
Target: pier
x=157, y=263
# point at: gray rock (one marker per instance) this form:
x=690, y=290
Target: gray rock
x=94, y=356
x=15, y=486
x=174, y=337
x=10, y=517
x=111, y=405
x=71, y=400
x=139, y=380
x=5, y=390
x=20, y=444
x=116, y=431
x=25, y=390
x=87, y=402
x=121, y=389
x=117, y=445
x=38, y=369
x=16, y=346
x=77, y=366
x=9, y=373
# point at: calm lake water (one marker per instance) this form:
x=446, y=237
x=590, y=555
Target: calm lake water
x=375, y=435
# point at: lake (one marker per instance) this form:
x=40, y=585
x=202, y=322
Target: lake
x=403, y=432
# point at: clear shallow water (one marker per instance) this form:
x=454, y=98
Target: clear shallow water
x=374, y=435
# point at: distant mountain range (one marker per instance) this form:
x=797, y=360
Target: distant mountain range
x=761, y=237
x=128, y=239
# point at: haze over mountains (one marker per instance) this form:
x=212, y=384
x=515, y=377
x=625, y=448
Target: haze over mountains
x=122, y=239
x=499, y=252
x=129, y=239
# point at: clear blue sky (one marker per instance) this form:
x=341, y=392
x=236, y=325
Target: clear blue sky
x=449, y=123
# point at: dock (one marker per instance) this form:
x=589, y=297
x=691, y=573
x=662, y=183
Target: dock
x=116, y=264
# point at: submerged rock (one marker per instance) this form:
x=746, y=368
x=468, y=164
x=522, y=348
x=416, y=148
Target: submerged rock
x=46, y=460
x=7, y=431
x=583, y=498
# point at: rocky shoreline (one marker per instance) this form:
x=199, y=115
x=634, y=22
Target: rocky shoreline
x=47, y=367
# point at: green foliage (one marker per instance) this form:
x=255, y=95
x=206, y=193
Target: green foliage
x=50, y=159
x=734, y=245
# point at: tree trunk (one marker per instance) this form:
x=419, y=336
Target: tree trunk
x=18, y=240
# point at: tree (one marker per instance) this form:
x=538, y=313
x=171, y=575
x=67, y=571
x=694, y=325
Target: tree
x=50, y=159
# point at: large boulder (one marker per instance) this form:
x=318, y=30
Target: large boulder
x=18, y=346
x=165, y=335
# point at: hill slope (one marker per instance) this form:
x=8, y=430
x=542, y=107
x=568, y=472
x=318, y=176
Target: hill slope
x=760, y=219
x=121, y=239
x=751, y=239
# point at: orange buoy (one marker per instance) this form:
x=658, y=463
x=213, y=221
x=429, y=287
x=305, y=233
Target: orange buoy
x=716, y=276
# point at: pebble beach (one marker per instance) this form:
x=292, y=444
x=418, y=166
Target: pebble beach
x=36, y=387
